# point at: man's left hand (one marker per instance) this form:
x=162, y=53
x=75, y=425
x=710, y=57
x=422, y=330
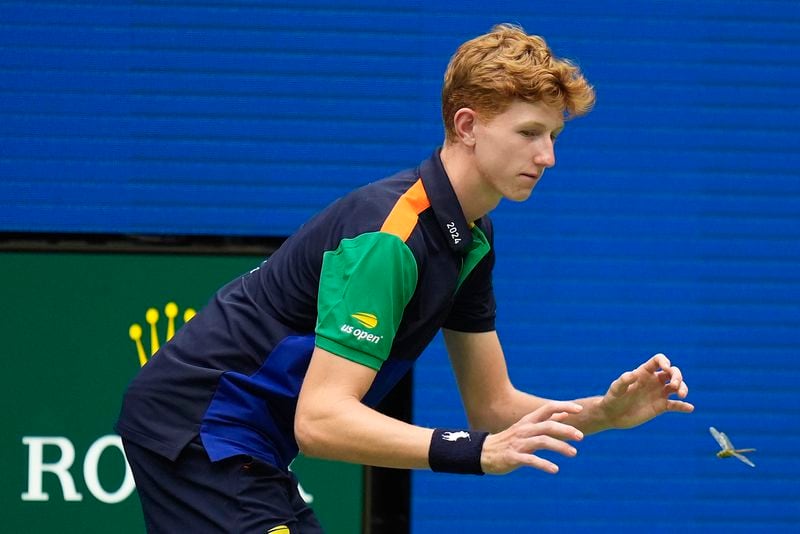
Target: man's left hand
x=644, y=393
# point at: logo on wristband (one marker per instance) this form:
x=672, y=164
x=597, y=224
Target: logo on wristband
x=455, y=436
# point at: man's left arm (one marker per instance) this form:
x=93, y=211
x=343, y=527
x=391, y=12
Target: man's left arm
x=492, y=403
x=490, y=400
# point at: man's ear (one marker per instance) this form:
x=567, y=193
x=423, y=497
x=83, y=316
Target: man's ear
x=464, y=121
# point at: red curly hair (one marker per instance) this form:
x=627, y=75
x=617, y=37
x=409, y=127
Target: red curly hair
x=491, y=71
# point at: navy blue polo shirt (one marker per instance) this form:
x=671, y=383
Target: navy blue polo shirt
x=371, y=278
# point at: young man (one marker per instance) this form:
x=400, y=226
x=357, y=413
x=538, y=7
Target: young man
x=296, y=353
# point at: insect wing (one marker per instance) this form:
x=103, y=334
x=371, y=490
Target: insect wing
x=744, y=459
x=726, y=441
x=720, y=437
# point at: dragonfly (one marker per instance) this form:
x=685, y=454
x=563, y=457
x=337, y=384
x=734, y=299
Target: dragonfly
x=728, y=449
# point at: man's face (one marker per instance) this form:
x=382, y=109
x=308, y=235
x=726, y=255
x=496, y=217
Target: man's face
x=513, y=149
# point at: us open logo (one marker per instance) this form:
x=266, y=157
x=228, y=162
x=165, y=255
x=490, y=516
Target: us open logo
x=367, y=320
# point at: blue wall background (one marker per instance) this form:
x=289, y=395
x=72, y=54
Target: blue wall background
x=670, y=224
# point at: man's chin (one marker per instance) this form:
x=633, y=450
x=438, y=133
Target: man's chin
x=521, y=196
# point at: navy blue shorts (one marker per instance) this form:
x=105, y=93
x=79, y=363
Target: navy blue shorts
x=239, y=494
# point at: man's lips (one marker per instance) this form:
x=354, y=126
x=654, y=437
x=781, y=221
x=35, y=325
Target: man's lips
x=534, y=175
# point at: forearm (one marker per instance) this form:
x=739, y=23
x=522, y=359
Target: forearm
x=516, y=404
x=331, y=421
x=353, y=432
x=592, y=418
x=502, y=410
x=635, y=397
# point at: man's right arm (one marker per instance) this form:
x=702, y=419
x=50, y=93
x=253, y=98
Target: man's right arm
x=331, y=422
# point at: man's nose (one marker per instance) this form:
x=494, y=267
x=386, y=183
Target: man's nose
x=546, y=156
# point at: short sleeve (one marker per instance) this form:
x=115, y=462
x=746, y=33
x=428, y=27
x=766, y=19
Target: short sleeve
x=365, y=285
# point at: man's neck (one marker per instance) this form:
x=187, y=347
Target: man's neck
x=475, y=197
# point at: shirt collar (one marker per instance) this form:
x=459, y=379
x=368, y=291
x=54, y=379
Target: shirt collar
x=444, y=202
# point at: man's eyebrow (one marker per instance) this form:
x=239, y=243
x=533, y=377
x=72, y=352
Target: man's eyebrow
x=536, y=124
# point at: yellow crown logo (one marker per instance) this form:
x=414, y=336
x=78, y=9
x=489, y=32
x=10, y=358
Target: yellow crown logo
x=367, y=320
x=151, y=317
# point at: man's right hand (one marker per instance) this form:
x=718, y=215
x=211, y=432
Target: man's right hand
x=541, y=429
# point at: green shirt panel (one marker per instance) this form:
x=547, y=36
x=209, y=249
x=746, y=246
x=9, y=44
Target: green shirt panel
x=364, y=288
x=477, y=250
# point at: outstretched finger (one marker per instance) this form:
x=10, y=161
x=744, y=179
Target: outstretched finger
x=555, y=428
x=663, y=376
x=621, y=384
x=559, y=416
x=531, y=460
x=550, y=443
x=673, y=381
x=676, y=377
x=548, y=409
x=681, y=389
x=679, y=406
x=656, y=362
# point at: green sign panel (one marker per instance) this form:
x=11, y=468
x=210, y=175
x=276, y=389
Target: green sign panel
x=75, y=329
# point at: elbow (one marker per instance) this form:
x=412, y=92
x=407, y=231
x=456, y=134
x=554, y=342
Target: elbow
x=308, y=434
x=304, y=434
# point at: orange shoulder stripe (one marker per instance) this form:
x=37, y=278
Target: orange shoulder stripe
x=404, y=215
